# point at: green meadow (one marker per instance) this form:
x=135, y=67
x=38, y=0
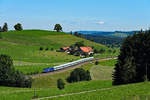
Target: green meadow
x=103, y=91
x=23, y=47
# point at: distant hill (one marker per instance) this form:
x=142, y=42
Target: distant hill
x=108, y=33
x=105, y=40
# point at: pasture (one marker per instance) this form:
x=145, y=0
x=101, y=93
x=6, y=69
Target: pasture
x=102, y=90
x=23, y=47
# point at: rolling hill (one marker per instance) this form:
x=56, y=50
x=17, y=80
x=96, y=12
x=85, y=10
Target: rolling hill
x=23, y=47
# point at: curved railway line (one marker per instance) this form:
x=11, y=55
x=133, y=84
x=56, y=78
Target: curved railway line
x=72, y=67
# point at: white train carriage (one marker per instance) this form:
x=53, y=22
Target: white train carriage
x=73, y=63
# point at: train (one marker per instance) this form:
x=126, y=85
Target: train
x=70, y=64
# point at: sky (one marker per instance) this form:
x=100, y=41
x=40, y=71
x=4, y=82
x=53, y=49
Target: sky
x=76, y=15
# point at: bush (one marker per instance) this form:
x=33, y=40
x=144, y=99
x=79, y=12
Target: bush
x=79, y=74
x=95, y=51
x=52, y=49
x=10, y=77
x=46, y=49
x=101, y=50
x=41, y=48
x=79, y=44
x=96, y=62
x=60, y=84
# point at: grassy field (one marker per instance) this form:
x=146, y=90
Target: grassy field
x=110, y=63
x=106, y=91
x=103, y=71
x=114, y=93
x=23, y=47
x=8, y=93
x=51, y=80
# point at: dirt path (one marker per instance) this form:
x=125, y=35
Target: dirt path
x=69, y=94
x=70, y=68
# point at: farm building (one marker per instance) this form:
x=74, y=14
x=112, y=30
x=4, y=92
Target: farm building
x=87, y=50
x=65, y=49
x=78, y=51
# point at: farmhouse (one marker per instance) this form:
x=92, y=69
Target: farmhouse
x=87, y=50
x=78, y=51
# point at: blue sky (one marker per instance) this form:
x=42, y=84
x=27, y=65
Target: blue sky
x=73, y=15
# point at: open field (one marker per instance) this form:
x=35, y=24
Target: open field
x=114, y=93
x=98, y=72
x=99, y=90
x=101, y=72
x=51, y=80
x=110, y=63
x=8, y=93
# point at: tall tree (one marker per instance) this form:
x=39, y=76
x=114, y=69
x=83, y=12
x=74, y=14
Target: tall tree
x=58, y=28
x=9, y=76
x=133, y=62
x=18, y=27
x=5, y=27
x=0, y=29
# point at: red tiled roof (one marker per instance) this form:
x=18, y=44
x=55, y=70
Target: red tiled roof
x=86, y=49
x=65, y=48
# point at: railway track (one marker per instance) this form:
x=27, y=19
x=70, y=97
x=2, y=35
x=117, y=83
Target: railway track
x=70, y=68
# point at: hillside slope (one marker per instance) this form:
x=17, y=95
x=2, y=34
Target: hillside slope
x=23, y=47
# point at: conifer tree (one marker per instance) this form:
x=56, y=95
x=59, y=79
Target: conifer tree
x=5, y=27
x=134, y=60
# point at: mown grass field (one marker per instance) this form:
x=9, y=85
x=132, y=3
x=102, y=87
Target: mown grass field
x=102, y=71
x=7, y=93
x=50, y=81
x=23, y=47
x=106, y=91
x=110, y=63
x=114, y=93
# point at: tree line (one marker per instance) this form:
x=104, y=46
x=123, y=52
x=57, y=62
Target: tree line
x=9, y=76
x=134, y=60
x=18, y=27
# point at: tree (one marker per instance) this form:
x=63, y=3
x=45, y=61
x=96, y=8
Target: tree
x=114, y=51
x=41, y=48
x=18, y=27
x=0, y=29
x=58, y=27
x=0, y=33
x=9, y=76
x=76, y=33
x=79, y=44
x=71, y=33
x=101, y=50
x=133, y=62
x=60, y=84
x=95, y=51
x=5, y=27
x=97, y=62
x=79, y=74
x=110, y=51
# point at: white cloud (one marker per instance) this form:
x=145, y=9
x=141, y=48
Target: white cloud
x=101, y=22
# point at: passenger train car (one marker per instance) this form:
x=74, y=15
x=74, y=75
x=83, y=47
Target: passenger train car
x=67, y=65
